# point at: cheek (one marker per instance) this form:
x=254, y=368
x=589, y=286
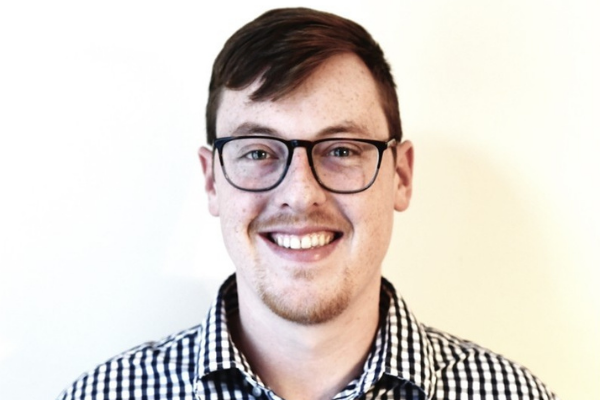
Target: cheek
x=235, y=219
x=231, y=201
x=373, y=214
x=237, y=210
x=370, y=214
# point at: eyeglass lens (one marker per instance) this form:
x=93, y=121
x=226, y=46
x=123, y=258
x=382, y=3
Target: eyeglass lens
x=260, y=163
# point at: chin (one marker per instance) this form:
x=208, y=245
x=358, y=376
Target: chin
x=307, y=313
x=307, y=305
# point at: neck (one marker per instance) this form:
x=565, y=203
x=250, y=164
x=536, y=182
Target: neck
x=307, y=361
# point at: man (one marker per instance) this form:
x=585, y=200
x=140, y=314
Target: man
x=306, y=171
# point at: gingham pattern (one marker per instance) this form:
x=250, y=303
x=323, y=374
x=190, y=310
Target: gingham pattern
x=407, y=361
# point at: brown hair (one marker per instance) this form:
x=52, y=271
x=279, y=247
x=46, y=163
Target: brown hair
x=285, y=46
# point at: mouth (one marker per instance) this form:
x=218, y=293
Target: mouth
x=303, y=242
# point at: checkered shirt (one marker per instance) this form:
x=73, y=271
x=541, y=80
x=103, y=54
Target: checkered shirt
x=407, y=361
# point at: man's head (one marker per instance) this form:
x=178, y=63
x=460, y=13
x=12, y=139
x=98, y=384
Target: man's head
x=283, y=47
x=309, y=247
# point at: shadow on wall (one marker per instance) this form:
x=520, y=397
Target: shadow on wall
x=477, y=252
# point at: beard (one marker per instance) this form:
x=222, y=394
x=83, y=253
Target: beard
x=312, y=298
x=300, y=295
x=309, y=307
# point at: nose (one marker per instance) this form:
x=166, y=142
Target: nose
x=299, y=189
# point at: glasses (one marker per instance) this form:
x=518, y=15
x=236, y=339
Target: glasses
x=259, y=163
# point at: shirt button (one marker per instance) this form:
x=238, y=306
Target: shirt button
x=256, y=392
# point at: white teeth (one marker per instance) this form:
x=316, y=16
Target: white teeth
x=306, y=242
x=294, y=242
x=314, y=241
x=309, y=241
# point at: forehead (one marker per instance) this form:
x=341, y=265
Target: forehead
x=341, y=92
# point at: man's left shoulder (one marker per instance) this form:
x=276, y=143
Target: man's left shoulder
x=463, y=367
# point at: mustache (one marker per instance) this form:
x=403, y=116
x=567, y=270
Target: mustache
x=313, y=218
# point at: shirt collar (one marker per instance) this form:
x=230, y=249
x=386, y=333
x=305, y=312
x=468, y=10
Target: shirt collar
x=409, y=353
x=217, y=351
x=401, y=348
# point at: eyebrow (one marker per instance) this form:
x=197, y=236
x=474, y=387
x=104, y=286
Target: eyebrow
x=345, y=127
x=251, y=128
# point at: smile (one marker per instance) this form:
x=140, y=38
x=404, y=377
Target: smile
x=304, y=242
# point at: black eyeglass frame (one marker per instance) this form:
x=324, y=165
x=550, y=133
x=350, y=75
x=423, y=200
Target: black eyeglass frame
x=308, y=145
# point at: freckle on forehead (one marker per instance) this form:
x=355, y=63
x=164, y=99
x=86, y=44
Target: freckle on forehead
x=337, y=92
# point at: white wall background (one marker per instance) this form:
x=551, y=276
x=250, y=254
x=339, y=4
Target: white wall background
x=105, y=241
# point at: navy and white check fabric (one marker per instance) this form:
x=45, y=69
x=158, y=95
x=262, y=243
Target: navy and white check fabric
x=407, y=361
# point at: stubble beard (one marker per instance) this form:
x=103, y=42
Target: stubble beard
x=317, y=304
x=309, y=309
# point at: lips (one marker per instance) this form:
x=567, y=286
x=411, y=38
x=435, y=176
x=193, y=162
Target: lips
x=302, y=242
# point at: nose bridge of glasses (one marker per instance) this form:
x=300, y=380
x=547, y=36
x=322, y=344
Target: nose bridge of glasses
x=307, y=158
x=296, y=143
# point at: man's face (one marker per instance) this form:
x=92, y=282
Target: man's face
x=348, y=233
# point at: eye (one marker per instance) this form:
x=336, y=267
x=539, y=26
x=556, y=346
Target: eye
x=257, y=155
x=341, y=152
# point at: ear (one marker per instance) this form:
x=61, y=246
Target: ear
x=207, y=162
x=404, y=175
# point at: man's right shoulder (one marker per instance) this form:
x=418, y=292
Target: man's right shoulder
x=167, y=366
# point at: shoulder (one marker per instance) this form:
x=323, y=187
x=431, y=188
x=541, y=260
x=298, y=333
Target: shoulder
x=133, y=373
x=463, y=367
